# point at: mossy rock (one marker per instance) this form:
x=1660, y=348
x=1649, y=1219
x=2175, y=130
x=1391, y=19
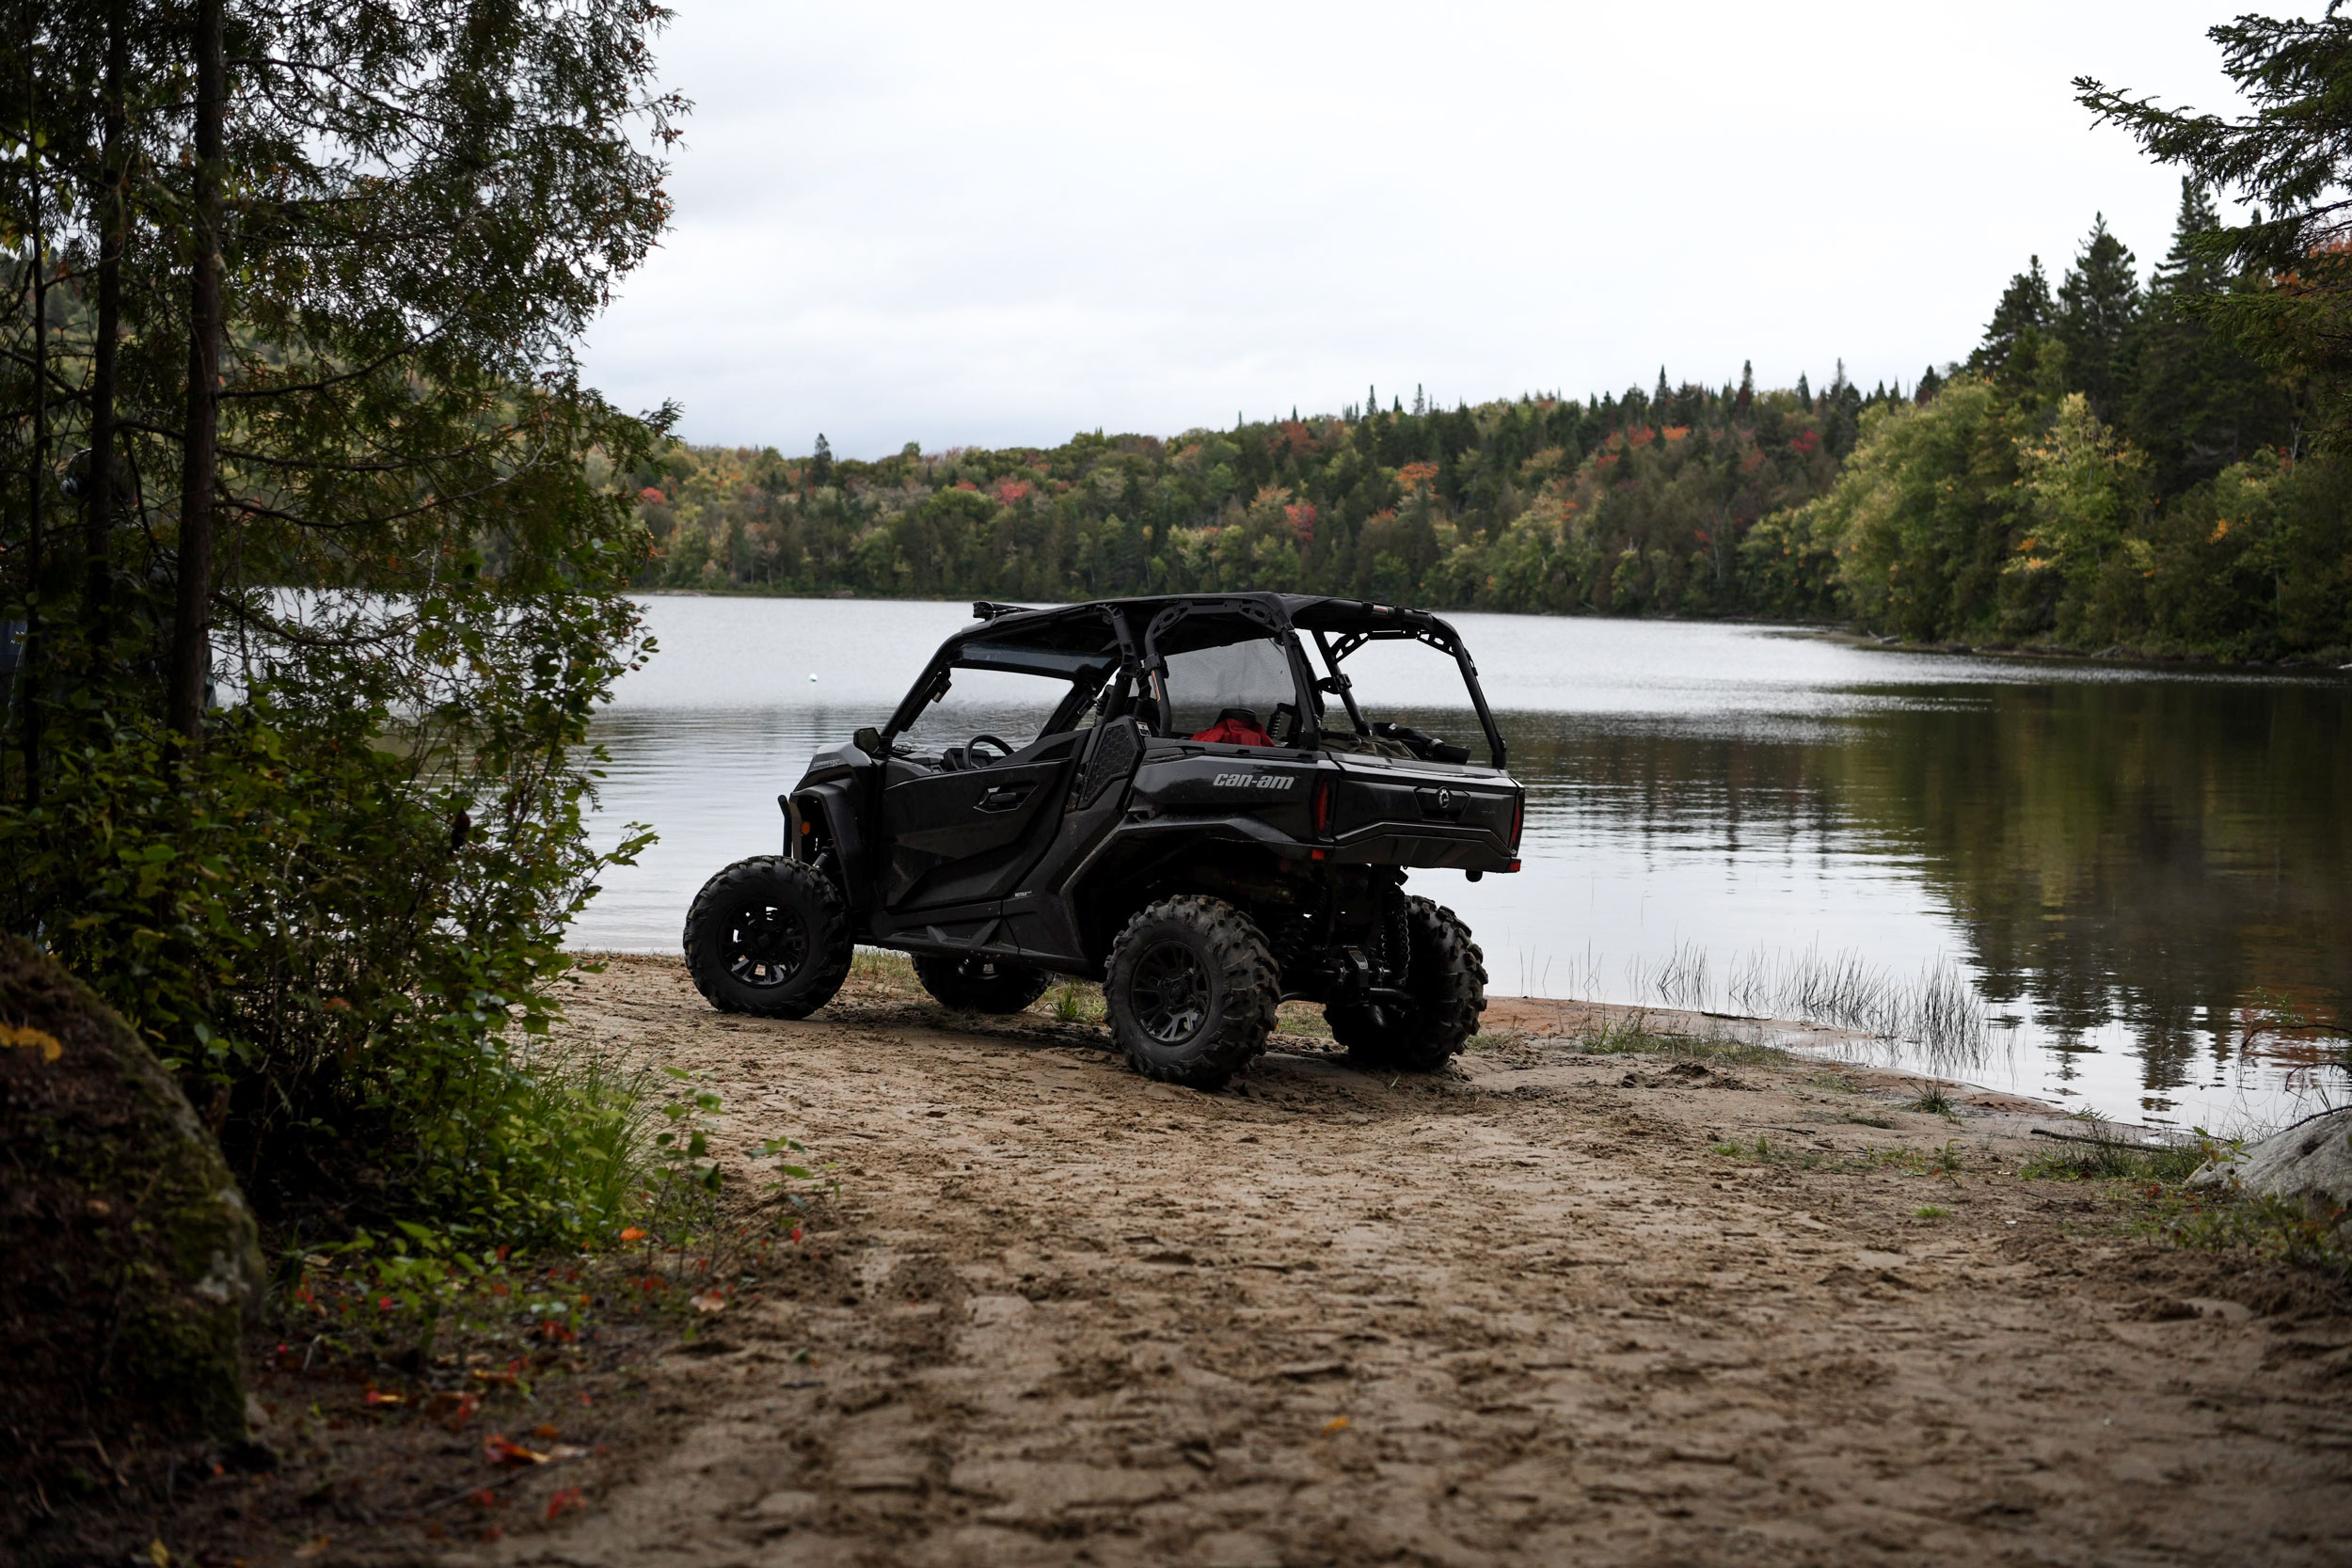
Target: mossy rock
x=131, y=1259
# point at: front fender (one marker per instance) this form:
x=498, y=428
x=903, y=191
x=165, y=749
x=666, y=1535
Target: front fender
x=830, y=811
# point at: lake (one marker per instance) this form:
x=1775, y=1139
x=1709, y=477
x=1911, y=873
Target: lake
x=2142, y=878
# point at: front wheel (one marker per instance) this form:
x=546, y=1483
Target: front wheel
x=768, y=936
x=1190, y=991
x=981, y=985
x=1446, y=976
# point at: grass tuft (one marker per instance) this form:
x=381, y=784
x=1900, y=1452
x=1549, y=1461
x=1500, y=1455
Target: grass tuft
x=1074, y=1002
x=1940, y=1011
x=1933, y=1101
x=2117, y=1160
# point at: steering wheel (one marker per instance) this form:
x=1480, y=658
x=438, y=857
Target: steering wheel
x=972, y=746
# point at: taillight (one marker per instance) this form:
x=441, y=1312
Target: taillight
x=1518, y=818
x=1319, y=810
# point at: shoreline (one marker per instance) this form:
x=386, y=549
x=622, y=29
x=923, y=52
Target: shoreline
x=1845, y=1049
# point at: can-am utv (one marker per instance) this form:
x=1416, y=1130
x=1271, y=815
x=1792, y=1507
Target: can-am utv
x=1194, y=810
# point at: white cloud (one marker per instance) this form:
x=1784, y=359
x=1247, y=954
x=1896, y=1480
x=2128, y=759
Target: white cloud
x=990, y=225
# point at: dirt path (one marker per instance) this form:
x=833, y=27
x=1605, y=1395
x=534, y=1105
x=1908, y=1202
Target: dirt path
x=1524, y=1313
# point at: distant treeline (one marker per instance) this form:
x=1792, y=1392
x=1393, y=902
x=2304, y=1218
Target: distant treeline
x=2104, y=468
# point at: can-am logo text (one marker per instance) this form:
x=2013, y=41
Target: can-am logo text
x=1251, y=781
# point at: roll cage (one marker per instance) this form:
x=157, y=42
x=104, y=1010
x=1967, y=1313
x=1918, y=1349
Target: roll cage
x=1115, y=654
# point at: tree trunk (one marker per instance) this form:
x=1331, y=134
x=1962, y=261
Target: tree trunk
x=37, y=476
x=191, y=625
x=113, y=224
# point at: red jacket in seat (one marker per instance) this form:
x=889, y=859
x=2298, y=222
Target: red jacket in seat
x=1235, y=732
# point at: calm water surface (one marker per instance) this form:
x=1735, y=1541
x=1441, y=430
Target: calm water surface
x=2146, y=876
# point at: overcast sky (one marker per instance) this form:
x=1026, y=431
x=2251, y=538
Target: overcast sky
x=996, y=225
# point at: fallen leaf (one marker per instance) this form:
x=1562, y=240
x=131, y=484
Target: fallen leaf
x=32, y=1039
x=498, y=1451
x=315, y=1546
x=569, y=1497
x=632, y=1234
x=710, y=1301
x=1337, y=1423
x=543, y=1430
x=378, y=1396
x=157, y=1553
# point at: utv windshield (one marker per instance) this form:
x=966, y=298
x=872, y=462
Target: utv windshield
x=1009, y=694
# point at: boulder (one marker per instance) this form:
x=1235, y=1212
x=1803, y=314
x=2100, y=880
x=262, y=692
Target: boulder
x=2310, y=1161
x=131, y=1260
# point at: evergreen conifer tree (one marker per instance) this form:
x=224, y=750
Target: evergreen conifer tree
x=1929, y=383
x=2025, y=307
x=1804, y=390
x=2197, y=401
x=1745, y=399
x=820, y=465
x=2097, y=317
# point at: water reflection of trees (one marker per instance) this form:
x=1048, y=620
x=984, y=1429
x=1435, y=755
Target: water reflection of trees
x=2159, y=855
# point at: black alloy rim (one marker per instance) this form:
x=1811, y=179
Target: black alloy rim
x=1171, y=993
x=766, y=944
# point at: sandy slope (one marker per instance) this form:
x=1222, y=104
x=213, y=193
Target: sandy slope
x=1522, y=1313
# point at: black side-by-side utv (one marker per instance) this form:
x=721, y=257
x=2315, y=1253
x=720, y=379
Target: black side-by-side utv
x=1197, y=812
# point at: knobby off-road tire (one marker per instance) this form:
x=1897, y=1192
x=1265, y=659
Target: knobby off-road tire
x=1446, y=974
x=981, y=985
x=1191, y=991
x=768, y=936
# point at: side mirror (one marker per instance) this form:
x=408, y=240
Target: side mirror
x=869, y=740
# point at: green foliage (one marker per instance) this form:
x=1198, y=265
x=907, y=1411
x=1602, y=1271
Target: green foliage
x=2302, y=1234
x=2113, y=1160
x=1923, y=514
x=335, y=903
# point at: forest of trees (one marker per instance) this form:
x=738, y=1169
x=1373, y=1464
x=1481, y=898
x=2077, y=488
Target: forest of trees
x=2107, y=468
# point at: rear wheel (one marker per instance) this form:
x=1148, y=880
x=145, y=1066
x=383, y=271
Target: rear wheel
x=1190, y=991
x=768, y=936
x=1445, y=975
x=981, y=985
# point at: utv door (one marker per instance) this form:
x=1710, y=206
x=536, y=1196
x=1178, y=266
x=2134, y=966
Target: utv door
x=962, y=837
